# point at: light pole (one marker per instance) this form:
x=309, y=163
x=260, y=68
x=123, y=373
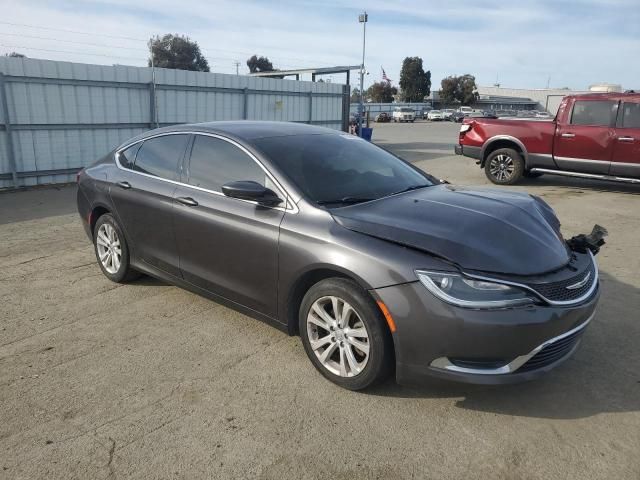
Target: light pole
x=362, y=18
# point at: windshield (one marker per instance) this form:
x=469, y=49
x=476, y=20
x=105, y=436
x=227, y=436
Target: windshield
x=334, y=170
x=407, y=110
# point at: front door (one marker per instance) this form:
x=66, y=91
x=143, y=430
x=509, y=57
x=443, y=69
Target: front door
x=142, y=192
x=227, y=246
x=585, y=144
x=626, y=149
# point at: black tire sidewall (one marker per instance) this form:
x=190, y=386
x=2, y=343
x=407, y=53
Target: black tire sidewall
x=518, y=164
x=380, y=361
x=123, y=272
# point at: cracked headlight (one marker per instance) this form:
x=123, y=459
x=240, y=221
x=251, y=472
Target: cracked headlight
x=466, y=292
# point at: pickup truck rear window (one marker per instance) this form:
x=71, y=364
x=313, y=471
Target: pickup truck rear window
x=593, y=112
x=630, y=115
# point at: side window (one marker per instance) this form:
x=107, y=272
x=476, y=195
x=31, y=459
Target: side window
x=160, y=156
x=215, y=162
x=128, y=156
x=593, y=112
x=630, y=115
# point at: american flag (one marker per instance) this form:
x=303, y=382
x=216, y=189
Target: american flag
x=384, y=76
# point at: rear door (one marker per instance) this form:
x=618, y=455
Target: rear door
x=585, y=143
x=626, y=150
x=227, y=246
x=142, y=193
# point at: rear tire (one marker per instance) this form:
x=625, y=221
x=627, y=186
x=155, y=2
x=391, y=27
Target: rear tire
x=345, y=335
x=504, y=166
x=112, y=251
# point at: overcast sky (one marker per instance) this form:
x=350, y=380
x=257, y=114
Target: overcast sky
x=524, y=44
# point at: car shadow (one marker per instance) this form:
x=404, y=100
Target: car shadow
x=601, y=377
x=581, y=184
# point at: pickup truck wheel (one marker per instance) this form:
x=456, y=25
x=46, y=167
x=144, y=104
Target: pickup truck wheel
x=504, y=166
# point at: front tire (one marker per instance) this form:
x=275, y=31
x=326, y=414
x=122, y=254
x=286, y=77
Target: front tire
x=345, y=335
x=112, y=251
x=504, y=166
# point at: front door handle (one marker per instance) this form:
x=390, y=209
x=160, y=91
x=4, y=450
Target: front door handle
x=188, y=201
x=568, y=135
x=125, y=185
x=626, y=139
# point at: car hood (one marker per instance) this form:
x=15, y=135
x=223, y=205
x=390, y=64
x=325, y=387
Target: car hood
x=477, y=229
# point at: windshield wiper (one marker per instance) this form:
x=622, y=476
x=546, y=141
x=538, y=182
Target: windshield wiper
x=345, y=200
x=408, y=189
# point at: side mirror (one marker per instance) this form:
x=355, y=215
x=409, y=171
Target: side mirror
x=250, y=190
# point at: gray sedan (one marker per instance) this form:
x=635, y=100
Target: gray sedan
x=378, y=266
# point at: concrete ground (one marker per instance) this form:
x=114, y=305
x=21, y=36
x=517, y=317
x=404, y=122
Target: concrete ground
x=99, y=380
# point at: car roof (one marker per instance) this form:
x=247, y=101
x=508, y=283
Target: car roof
x=606, y=96
x=243, y=129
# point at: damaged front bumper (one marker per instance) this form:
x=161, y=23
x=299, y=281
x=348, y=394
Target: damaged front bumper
x=494, y=346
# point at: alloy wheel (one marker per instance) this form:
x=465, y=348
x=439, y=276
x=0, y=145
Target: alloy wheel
x=338, y=336
x=502, y=167
x=109, y=248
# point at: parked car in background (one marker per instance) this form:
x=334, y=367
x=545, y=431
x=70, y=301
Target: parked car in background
x=465, y=110
x=505, y=113
x=404, y=114
x=382, y=117
x=595, y=135
x=378, y=266
x=447, y=113
x=425, y=112
x=457, y=117
x=435, y=116
x=543, y=115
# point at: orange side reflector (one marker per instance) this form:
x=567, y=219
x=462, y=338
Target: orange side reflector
x=387, y=316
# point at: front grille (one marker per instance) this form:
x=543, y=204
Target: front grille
x=558, y=291
x=552, y=352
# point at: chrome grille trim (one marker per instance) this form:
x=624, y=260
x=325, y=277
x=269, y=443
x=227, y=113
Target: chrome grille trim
x=445, y=364
x=575, y=301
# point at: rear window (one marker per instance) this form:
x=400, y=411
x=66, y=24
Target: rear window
x=160, y=156
x=593, y=112
x=630, y=115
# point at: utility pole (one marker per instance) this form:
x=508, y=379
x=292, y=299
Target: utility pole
x=362, y=18
x=237, y=64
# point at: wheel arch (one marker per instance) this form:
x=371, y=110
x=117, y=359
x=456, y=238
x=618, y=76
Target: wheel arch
x=96, y=212
x=502, y=141
x=304, y=282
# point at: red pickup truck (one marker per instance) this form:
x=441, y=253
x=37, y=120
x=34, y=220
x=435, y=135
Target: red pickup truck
x=594, y=135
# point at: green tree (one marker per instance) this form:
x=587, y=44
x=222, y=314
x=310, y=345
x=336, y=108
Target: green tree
x=468, y=89
x=415, y=83
x=259, y=64
x=448, y=90
x=355, y=95
x=178, y=52
x=381, y=92
x=460, y=89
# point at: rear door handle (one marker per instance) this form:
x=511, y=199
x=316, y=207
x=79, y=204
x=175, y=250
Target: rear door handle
x=626, y=139
x=125, y=185
x=188, y=201
x=568, y=135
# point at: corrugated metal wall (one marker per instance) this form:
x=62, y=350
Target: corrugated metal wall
x=63, y=116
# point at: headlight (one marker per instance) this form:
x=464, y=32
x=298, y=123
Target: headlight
x=466, y=292
x=465, y=127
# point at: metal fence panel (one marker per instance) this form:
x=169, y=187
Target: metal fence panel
x=63, y=116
